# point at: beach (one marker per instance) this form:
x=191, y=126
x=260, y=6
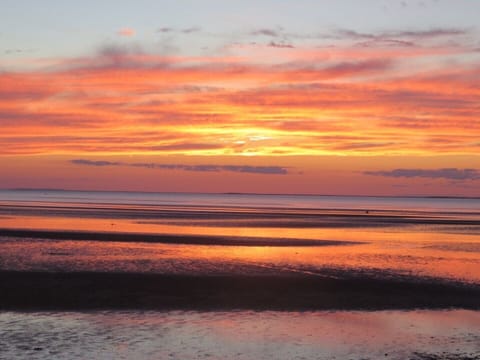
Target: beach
x=229, y=259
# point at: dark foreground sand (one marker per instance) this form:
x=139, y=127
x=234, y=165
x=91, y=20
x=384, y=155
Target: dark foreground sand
x=89, y=290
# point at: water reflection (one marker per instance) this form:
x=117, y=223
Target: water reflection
x=241, y=335
x=400, y=247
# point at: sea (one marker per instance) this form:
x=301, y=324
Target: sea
x=423, y=242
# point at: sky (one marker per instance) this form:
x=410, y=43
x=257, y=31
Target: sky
x=378, y=97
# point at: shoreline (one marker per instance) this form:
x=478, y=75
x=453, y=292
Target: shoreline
x=116, y=291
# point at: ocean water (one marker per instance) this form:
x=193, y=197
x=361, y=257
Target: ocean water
x=389, y=238
x=443, y=204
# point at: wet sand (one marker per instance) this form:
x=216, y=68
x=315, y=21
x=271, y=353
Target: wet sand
x=346, y=291
x=241, y=335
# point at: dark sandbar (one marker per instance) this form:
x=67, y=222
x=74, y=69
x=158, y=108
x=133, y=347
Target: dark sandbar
x=168, y=238
x=89, y=290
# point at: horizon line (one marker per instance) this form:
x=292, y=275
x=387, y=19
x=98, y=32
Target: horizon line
x=243, y=193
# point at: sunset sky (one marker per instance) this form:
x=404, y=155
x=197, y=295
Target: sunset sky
x=378, y=97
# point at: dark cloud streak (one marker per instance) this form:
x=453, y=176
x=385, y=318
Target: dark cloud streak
x=266, y=170
x=444, y=173
x=280, y=45
x=266, y=32
x=431, y=33
x=190, y=30
x=95, y=163
x=389, y=35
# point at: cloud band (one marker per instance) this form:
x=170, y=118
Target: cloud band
x=266, y=170
x=444, y=173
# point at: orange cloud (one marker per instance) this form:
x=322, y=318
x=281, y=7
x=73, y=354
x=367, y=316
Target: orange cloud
x=348, y=101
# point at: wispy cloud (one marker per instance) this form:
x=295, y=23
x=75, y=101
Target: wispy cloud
x=283, y=45
x=398, y=38
x=188, y=30
x=393, y=34
x=165, y=29
x=266, y=170
x=191, y=30
x=385, y=43
x=444, y=173
x=429, y=33
x=18, y=51
x=267, y=32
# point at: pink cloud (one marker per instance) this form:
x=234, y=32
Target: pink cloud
x=126, y=31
